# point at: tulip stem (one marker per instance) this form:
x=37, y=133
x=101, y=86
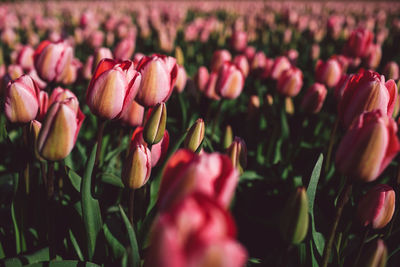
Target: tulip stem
x=131, y=204
x=51, y=210
x=44, y=174
x=100, y=132
x=50, y=180
x=366, y=232
x=343, y=199
x=330, y=147
x=216, y=118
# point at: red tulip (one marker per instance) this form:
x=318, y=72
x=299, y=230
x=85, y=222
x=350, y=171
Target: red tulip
x=328, y=72
x=368, y=146
x=314, y=98
x=359, y=43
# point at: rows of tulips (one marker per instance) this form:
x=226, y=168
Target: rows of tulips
x=199, y=134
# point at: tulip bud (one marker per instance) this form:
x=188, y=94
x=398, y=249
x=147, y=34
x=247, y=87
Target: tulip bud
x=359, y=43
x=60, y=94
x=155, y=126
x=290, y=82
x=230, y=81
x=181, y=79
x=314, y=98
x=60, y=129
x=366, y=91
x=391, y=70
x=124, y=49
x=34, y=130
x=315, y=51
x=249, y=52
x=201, y=78
x=376, y=208
x=280, y=65
x=52, y=60
x=239, y=41
x=112, y=88
x=25, y=57
x=237, y=151
x=21, y=100
x=241, y=62
x=269, y=99
x=133, y=115
x=195, y=136
x=101, y=53
x=180, y=60
x=258, y=63
x=158, y=79
x=368, y=146
x=328, y=72
x=15, y=71
x=294, y=220
x=43, y=105
x=218, y=58
x=228, y=136
x=375, y=254
x=209, y=89
x=137, y=168
x=374, y=56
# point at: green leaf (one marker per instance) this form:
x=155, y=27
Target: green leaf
x=318, y=238
x=37, y=256
x=67, y=263
x=132, y=239
x=116, y=247
x=75, y=245
x=75, y=179
x=112, y=179
x=90, y=207
x=250, y=175
x=284, y=124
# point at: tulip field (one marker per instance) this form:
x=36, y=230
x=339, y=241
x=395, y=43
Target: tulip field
x=191, y=133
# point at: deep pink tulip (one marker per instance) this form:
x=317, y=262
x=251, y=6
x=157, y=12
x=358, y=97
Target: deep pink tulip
x=328, y=72
x=242, y=63
x=159, y=74
x=239, y=41
x=367, y=91
x=124, y=49
x=359, y=43
x=181, y=79
x=230, y=81
x=391, y=70
x=374, y=56
x=280, y=65
x=314, y=98
x=201, y=78
x=290, y=82
x=377, y=206
x=195, y=232
x=43, y=105
x=21, y=100
x=218, y=58
x=25, y=57
x=368, y=147
x=112, y=88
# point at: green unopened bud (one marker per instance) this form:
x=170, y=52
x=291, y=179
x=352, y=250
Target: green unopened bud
x=155, y=125
x=228, y=136
x=294, y=220
x=195, y=136
x=180, y=59
x=237, y=151
x=374, y=255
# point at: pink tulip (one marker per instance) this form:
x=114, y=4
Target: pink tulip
x=201, y=78
x=112, y=88
x=25, y=57
x=290, y=82
x=21, y=100
x=133, y=115
x=181, y=79
x=280, y=65
x=368, y=147
x=328, y=72
x=124, y=49
x=60, y=129
x=374, y=56
x=314, y=98
x=376, y=208
x=367, y=91
x=43, y=105
x=137, y=168
x=239, y=41
x=391, y=70
x=209, y=90
x=218, y=58
x=159, y=73
x=186, y=172
x=195, y=232
x=52, y=60
x=230, y=81
x=241, y=62
x=359, y=43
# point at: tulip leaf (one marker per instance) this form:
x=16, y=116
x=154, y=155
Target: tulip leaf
x=75, y=179
x=112, y=179
x=318, y=238
x=90, y=207
x=22, y=260
x=132, y=239
x=116, y=247
x=66, y=263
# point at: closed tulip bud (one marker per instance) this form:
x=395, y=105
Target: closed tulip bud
x=359, y=43
x=43, y=105
x=124, y=49
x=315, y=51
x=376, y=208
x=366, y=91
x=289, y=106
x=228, y=136
x=21, y=100
x=249, y=52
x=155, y=125
x=241, y=62
x=292, y=55
x=374, y=56
x=52, y=60
x=133, y=115
x=180, y=60
x=112, y=88
x=25, y=57
x=230, y=81
x=39, y=82
x=15, y=71
x=237, y=151
x=60, y=129
x=137, y=168
x=60, y=94
x=239, y=41
x=375, y=254
x=294, y=220
x=258, y=63
x=201, y=78
x=209, y=90
x=368, y=146
x=34, y=130
x=102, y=52
x=195, y=136
x=72, y=72
x=290, y=82
x=341, y=87
x=158, y=79
x=391, y=70
x=218, y=58
x=314, y=98
x=280, y=65
x=181, y=79
x=328, y=72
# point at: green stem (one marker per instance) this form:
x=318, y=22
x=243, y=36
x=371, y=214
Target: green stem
x=366, y=232
x=343, y=199
x=330, y=147
x=100, y=132
x=131, y=204
x=51, y=211
x=216, y=118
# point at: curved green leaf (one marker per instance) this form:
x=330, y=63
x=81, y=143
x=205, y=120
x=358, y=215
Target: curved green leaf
x=132, y=239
